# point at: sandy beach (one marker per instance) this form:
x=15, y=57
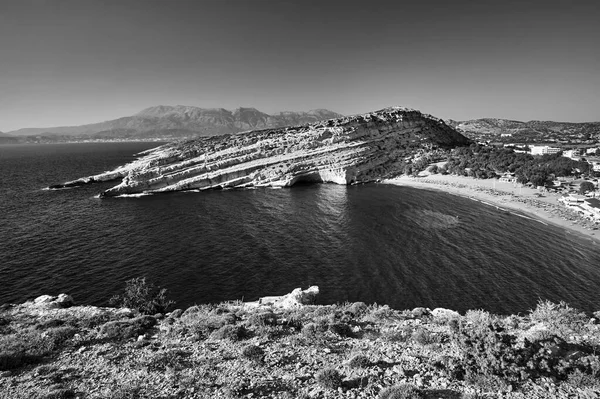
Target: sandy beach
x=545, y=209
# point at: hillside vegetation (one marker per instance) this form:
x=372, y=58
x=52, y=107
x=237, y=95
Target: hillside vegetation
x=353, y=350
x=488, y=162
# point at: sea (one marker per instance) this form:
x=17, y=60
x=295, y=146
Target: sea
x=374, y=243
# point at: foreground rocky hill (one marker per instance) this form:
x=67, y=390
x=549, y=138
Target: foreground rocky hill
x=344, y=150
x=182, y=121
x=283, y=347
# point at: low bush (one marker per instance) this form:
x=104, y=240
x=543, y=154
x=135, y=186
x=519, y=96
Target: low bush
x=400, y=391
x=27, y=347
x=232, y=333
x=125, y=329
x=51, y=323
x=422, y=336
x=401, y=334
x=60, y=393
x=359, y=361
x=341, y=329
x=169, y=359
x=262, y=319
x=144, y=297
x=253, y=353
x=329, y=378
x=492, y=357
x=59, y=335
x=310, y=330
x=358, y=309
x=559, y=317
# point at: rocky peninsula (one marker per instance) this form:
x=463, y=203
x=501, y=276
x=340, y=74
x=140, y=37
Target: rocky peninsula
x=345, y=150
x=284, y=347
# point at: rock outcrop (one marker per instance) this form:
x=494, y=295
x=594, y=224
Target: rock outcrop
x=295, y=299
x=345, y=150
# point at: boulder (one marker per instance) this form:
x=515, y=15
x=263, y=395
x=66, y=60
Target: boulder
x=65, y=301
x=444, y=314
x=296, y=298
x=43, y=299
x=420, y=312
x=54, y=302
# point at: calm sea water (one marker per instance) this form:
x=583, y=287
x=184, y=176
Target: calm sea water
x=371, y=243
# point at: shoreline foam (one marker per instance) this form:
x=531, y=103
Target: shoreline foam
x=507, y=198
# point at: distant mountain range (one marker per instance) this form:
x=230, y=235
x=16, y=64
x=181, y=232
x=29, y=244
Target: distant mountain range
x=182, y=121
x=176, y=122
x=542, y=130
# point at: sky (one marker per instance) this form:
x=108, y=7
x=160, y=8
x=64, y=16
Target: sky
x=74, y=62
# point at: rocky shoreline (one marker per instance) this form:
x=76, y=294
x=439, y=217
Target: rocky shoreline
x=284, y=347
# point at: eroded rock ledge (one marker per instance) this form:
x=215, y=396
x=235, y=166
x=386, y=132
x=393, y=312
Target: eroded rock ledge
x=346, y=150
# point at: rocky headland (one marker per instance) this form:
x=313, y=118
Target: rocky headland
x=285, y=347
x=346, y=150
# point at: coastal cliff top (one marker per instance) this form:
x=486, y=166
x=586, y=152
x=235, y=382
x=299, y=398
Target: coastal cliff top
x=56, y=350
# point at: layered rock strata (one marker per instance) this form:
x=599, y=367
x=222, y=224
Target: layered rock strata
x=345, y=150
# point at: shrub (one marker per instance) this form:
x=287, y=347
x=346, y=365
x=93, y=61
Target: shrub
x=359, y=361
x=253, y=353
x=27, y=347
x=400, y=335
x=44, y=325
x=232, y=333
x=94, y=320
x=478, y=317
x=60, y=335
x=263, y=319
x=168, y=359
x=560, y=317
x=310, y=330
x=580, y=380
x=61, y=393
x=376, y=313
x=492, y=358
x=422, y=336
x=400, y=391
x=341, y=329
x=144, y=297
x=329, y=378
x=125, y=329
x=358, y=308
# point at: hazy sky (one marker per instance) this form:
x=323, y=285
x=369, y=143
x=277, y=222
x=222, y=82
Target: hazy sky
x=76, y=62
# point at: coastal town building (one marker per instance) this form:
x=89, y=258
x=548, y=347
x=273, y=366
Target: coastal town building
x=574, y=154
x=543, y=149
x=586, y=207
x=508, y=178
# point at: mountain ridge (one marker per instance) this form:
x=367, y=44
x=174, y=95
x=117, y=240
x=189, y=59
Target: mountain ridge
x=185, y=121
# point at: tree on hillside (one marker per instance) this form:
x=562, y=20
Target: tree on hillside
x=586, y=186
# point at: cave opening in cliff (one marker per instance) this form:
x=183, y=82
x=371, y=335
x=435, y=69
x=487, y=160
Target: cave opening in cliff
x=307, y=179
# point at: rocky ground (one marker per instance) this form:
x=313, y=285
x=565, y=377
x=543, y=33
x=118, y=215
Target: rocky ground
x=50, y=348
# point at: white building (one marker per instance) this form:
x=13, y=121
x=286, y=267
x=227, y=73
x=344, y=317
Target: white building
x=543, y=149
x=573, y=154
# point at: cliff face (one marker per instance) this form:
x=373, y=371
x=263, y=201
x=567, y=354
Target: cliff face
x=345, y=150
